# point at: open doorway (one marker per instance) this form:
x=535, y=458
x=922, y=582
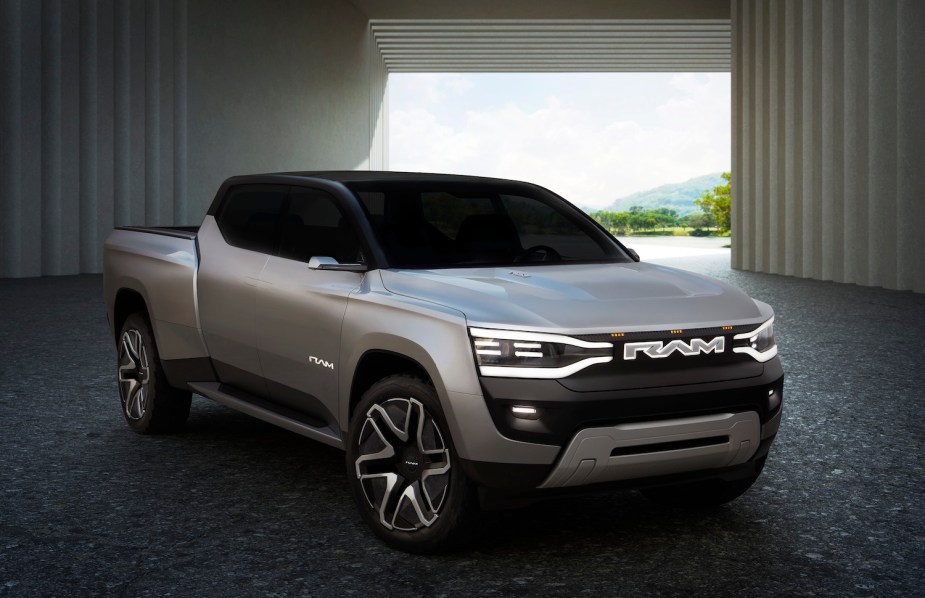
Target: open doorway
x=635, y=150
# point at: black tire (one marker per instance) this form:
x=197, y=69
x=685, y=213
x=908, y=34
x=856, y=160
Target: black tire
x=705, y=494
x=406, y=507
x=149, y=404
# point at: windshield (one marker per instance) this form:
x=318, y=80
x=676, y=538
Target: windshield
x=445, y=225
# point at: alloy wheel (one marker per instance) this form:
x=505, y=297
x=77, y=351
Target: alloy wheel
x=134, y=374
x=403, y=464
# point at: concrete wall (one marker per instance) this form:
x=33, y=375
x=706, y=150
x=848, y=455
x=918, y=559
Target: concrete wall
x=275, y=86
x=829, y=140
x=132, y=112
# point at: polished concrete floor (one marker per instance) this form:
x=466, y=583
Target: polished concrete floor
x=236, y=507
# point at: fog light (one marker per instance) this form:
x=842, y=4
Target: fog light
x=524, y=412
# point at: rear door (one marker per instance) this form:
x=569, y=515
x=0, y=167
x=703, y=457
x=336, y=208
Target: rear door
x=235, y=246
x=300, y=311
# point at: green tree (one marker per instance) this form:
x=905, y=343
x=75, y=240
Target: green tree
x=642, y=220
x=666, y=217
x=717, y=203
x=700, y=221
x=615, y=222
x=621, y=220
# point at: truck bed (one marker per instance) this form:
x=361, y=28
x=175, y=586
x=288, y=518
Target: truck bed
x=159, y=264
x=181, y=232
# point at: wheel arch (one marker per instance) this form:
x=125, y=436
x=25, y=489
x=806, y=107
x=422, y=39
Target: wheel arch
x=127, y=302
x=376, y=364
x=432, y=338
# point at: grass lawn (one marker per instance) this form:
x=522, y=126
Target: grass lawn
x=678, y=231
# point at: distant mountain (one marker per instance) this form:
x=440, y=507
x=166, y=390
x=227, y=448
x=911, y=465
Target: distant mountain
x=677, y=196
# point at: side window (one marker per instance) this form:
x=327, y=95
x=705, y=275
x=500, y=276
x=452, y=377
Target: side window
x=374, y=201
x=315, y=226
x=249, y=216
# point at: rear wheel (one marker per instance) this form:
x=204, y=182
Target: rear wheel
x=708, y=493
x=149, y=404
x=403, y=468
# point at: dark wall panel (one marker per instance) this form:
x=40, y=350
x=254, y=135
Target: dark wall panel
x=845, y=151
x=101, y=126
x=89, y=95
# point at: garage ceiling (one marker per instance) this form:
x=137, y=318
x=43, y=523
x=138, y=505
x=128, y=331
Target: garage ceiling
x=545, y=45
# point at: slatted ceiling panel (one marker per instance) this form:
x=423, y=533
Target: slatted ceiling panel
x=553, y=45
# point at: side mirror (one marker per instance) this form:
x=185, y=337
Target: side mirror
x=633, y=254
x=329, y=263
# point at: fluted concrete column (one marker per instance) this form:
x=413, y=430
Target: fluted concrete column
x=910, y=122
x=90, y=101
x=378, y=107
x=10, y=136
x=116, y=112
x=829, y=134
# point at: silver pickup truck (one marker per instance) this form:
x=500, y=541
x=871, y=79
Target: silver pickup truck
x=467, y=341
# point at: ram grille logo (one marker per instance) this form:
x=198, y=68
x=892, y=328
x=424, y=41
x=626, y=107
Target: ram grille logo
x=658, y=349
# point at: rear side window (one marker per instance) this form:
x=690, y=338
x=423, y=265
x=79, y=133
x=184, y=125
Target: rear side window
x=250, y=216
x=314, y=226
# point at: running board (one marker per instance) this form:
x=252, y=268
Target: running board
x=237, y=401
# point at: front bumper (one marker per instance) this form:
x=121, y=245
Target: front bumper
x=640, y=450
x=632, y=437
x=562, y=411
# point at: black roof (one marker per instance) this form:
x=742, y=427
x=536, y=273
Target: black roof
x=357, y=176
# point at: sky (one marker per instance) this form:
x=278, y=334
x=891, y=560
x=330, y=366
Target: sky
x=590, y=137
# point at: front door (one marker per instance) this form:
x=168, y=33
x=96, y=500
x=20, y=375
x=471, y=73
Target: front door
x=300, y=310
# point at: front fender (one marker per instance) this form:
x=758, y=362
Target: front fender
x=436, y=337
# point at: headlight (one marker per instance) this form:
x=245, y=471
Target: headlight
x=759, y=343
x=534, y=355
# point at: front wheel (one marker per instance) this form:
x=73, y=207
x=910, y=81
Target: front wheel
x=403, y=468
x=149, y=404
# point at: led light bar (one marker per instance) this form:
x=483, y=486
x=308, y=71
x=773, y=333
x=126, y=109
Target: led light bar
x=760, y=337
x=515, y=354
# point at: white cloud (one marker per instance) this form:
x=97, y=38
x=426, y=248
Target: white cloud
x=428, y=89
x=458, y=84
x=589, y=157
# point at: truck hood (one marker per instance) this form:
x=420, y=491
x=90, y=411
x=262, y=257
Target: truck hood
x=578, y=299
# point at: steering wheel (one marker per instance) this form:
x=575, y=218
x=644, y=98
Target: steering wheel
x=544, y=252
